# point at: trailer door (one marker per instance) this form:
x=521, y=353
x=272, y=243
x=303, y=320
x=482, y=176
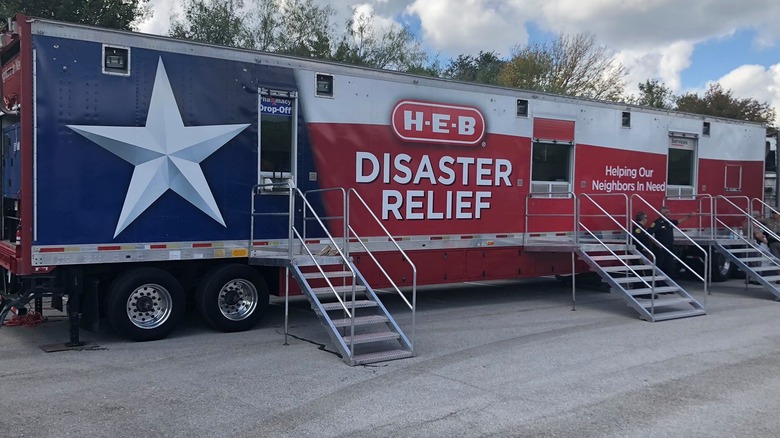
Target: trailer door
x=277, y=136
x=681, y=166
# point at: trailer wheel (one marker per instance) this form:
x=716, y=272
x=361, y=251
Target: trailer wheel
x=721, y=268
x=145, y=304
x=232, y=298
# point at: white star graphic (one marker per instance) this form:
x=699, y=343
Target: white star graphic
x=166, y=154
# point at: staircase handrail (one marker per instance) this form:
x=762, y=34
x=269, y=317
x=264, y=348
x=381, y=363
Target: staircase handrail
x=617, y=257
x=753, y=222
x=530, y=195
x=327, y=280
x=602, y=243
x=410, y=305
x=730, y=201
x=343, y=216
x=701, y=197
x=688, y=238
x=293, y=233
x=607, y=214
x=763, y=227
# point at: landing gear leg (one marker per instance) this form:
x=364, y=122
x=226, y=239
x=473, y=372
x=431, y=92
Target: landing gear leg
x=75, y=288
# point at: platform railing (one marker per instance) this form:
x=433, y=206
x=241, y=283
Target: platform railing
x=353, y=199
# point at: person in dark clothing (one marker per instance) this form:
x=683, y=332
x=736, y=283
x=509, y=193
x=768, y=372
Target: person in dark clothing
x=640, y=236
x=643, y=244
x=773, y=224
x=663, y=231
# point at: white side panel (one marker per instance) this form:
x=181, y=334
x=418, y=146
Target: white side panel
x=365, y=100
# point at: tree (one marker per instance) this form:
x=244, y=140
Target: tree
x=654, y=94
x=720, y=103
x=115, y=14
x=299, y=28
x=483, y=68
x=304, y=29
x=574, y=65
x=212, y=21
x=393, y=47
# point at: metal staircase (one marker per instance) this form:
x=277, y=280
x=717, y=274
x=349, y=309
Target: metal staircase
x=613, y=255
x=358, y=323
x=639, y=281
x=754, y=260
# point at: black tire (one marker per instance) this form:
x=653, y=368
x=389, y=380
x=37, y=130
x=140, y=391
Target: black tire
x=721, y=268
x=232, y=298
x=145, y=304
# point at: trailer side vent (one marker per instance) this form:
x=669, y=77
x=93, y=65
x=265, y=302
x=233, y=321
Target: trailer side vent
x=626, y=119
x=324, y=85
x=116, y=60
x=522, y=107
x=705, y=129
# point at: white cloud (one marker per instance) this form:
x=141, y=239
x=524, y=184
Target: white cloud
x=160, y=22
x=662, y=63
x=379, y=22
x=652, y=38
x=756, y=82
x=468, y=26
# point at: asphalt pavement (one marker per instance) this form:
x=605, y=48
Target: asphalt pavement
x=509, y=359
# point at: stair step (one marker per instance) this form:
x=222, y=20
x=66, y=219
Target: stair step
x=634, y=279
x=339, y=289
x=764, y=268
x=771, y=278
x=751, y=259
x=367, y=338
x=742, y=250
x=380, y=356
x=360, y=320
x=664, y=316
x=299, y=260
x=661, y=302
x=622, y=268
x=658, y=290
x=359, y=304
x=329, y=274
x=590, y=248
x=620, y=257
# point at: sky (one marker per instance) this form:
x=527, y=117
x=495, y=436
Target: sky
x=686, y=44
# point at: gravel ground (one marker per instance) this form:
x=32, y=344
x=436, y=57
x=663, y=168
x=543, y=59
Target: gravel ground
x=499, y=359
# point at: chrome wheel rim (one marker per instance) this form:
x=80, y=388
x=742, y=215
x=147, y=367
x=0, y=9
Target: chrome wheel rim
x=237, y=299
x=149, y=306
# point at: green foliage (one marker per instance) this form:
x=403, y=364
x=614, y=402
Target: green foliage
x=213, y=21
x=432, y=68
x=655, y=94
x=483, y=68
x=393, y=47
x=304, y=29
x=116, y=14
x=573, y=65
x=720, y=103
x=299, y=28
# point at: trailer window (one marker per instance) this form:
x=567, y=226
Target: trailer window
x=116, y=60
x=681, y=167
x=551, y=167
x=277, y=138
x=522, y=108
x=324, y=85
